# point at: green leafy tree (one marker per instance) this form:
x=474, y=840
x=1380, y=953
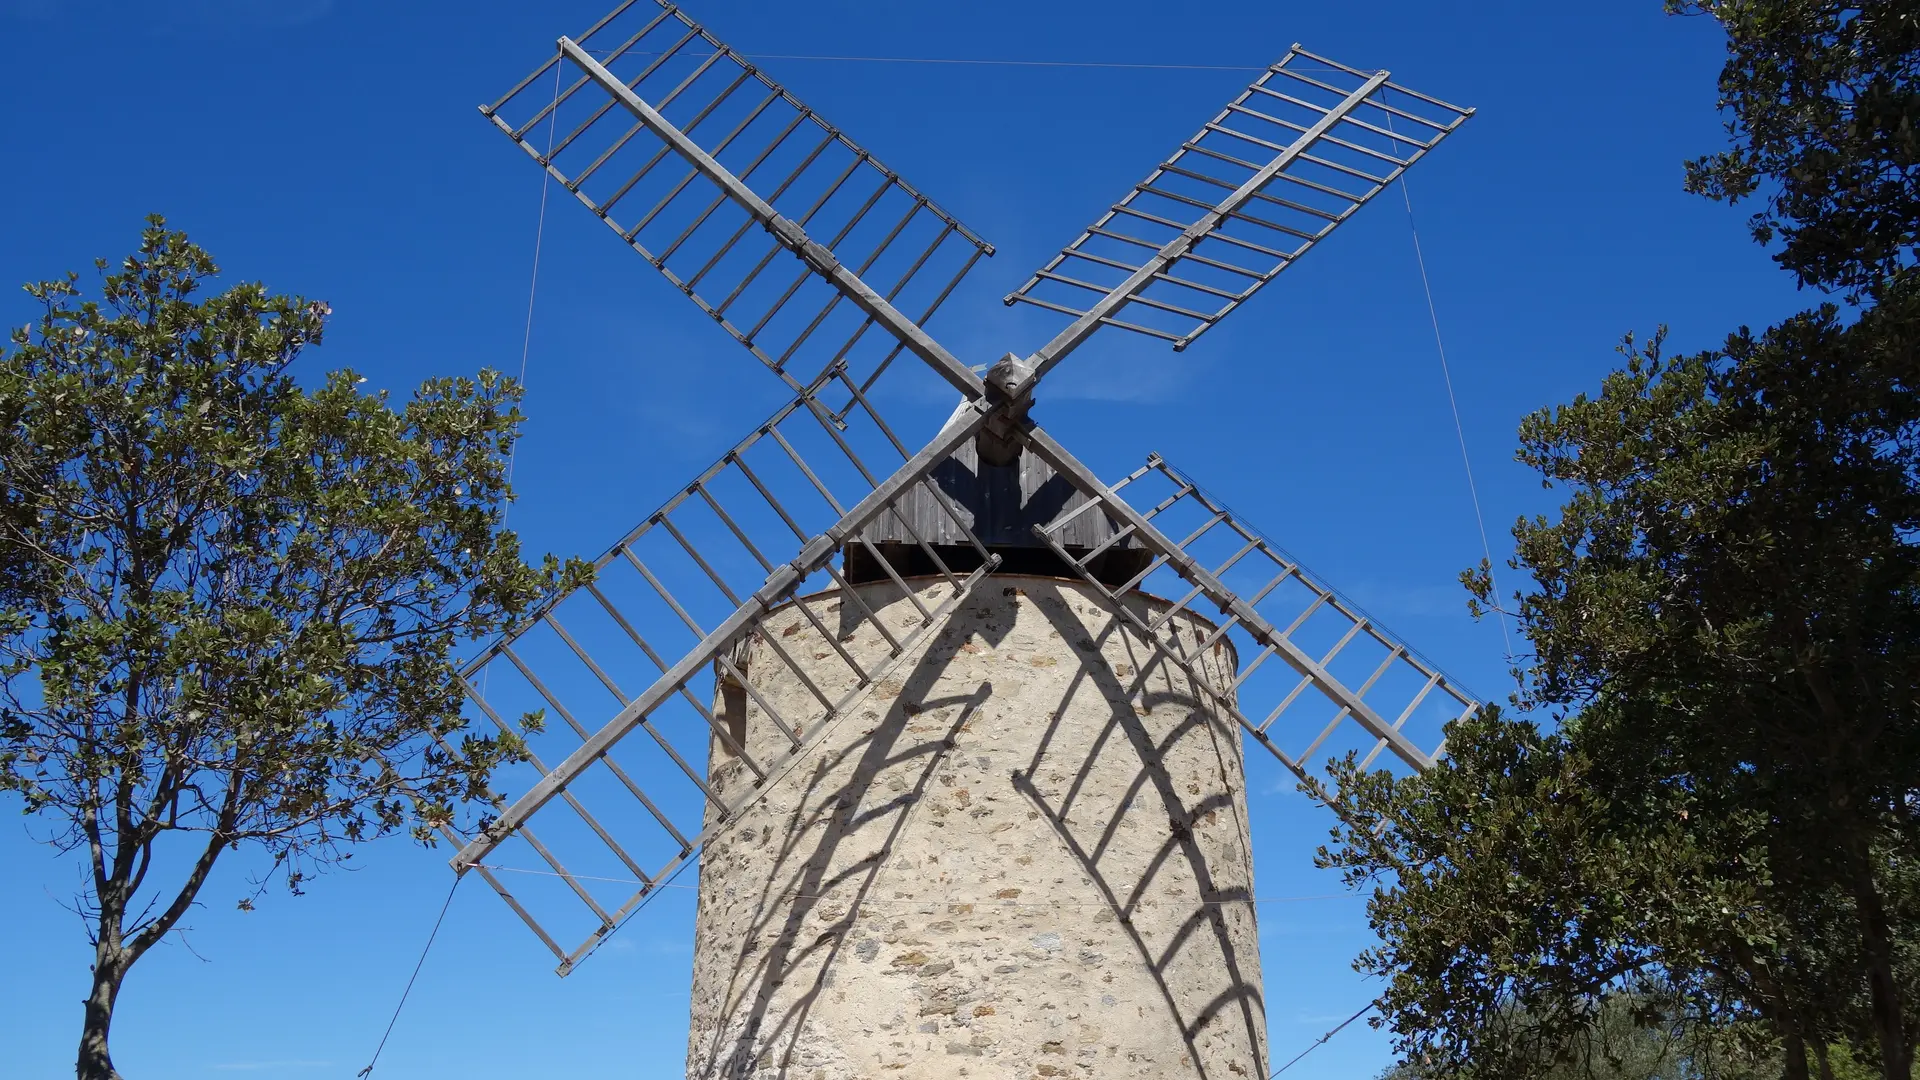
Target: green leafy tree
x=1541, y=914
x=231, y=602
x=1823, y=103
x=1733, y=582
x=1726, y=634
x=1725, y=618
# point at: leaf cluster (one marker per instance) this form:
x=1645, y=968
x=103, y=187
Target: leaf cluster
x=232, y=601
x=1727, y=639
x=1520, y=904
x=1823, y=104
x=1634, y=1036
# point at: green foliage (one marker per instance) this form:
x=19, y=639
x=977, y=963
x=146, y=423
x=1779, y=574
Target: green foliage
x=1621, y=1043
x=1709, y=822
x=232, y=602
x=1519, y=901
x=1823, y=100
x=1725, y=629
x=1730, y=588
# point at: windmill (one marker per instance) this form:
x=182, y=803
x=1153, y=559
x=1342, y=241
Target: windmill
x=967, y=791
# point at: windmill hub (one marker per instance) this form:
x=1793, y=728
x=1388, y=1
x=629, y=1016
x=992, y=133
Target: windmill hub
x=1010, y=390
x=989, y=498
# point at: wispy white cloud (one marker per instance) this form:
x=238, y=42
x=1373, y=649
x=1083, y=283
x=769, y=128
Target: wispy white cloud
x=656, y=945
x=1128, y=376
x=1389, y=600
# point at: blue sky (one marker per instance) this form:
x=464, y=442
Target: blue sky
x=331, y=148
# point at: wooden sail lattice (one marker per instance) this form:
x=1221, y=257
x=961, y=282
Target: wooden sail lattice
x=826, y=265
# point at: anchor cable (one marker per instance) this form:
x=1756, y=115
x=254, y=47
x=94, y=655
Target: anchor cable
x=422, y=962
x=1453, y=405
x=533, y=280
x=1322, y=1040
x=1010, y=63
x=526, y=347
x=993, y=62
x=533, y=288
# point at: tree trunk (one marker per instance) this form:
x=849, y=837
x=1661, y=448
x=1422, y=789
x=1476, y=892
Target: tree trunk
x=1796, y=1057
x=1876, y=939
x=108, y=969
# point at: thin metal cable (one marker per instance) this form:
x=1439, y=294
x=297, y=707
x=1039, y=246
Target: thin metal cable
x=422, y=962
x=998, y=63
x=1459, y=430
x=988, y=62
x=1453, y=404
x=533, y=281
x=533, y=288
x=1321, y=1041
x=1010, y=63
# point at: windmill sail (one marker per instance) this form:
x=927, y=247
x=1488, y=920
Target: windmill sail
x=774, y=223
x=1338, y=680
x=1301, y=149
x=718, y=176
x=618, y=771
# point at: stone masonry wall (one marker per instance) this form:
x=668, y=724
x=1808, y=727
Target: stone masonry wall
x=1024, y=856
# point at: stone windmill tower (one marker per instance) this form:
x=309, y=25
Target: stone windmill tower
x=954, y=731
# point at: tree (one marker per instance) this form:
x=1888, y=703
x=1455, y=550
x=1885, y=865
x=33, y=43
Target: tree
x=1725, y=800
x=231, y=601
x=1823, y=98
x=1522, y=901
x=1726, y=638
x=1542, y=915
x=1735, y=581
